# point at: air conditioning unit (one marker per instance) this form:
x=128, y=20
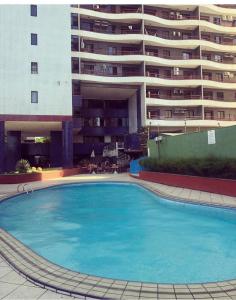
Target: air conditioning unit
x=174, y=33
x=179, y=17
x=224, y=18
x=179, y=33
x=230, y=18
x=176, y=71
x=227, y=73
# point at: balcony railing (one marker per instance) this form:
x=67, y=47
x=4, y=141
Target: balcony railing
x=106, y=73
x=173, y=118
x=108, y=52
x=112, y=9
x=222, y=60
x=223, y=79
x=186, y=118
x=225, y=23
x=174, y=77
x=220, y=42
x=180, y=57
x=170, y=16
x=177, y=36
x=230, y=118
x=112, y=31
x=171, y=97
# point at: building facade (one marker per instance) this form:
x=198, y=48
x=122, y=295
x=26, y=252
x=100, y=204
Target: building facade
x=88, y=75
x=35, y=77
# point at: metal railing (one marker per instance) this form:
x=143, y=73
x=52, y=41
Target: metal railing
x=173, y=97
x=25, y=188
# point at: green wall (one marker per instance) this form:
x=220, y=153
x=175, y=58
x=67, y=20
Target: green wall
x=196, y=145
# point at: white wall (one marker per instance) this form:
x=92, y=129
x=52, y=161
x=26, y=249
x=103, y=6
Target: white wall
x=53, y=53
x=133, y=113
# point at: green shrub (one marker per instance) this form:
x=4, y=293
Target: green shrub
x=206, y=167
x=23, y=166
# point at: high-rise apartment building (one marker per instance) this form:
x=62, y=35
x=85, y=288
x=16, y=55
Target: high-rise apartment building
x=87, y=75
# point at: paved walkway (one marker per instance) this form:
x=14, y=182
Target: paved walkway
x=14, y=286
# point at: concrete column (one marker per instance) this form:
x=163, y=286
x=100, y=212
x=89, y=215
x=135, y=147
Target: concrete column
x=67, y=144
x=56, y=149
x=2, y=146
x=132, y=106
x=13, y=153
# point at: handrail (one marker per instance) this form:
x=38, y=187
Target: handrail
x=24, y=188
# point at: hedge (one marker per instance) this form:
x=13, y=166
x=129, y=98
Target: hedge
x=206, y=167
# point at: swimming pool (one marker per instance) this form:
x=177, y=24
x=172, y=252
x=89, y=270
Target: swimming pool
x=123, y=231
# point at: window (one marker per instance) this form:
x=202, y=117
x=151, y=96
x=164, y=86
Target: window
x=166, y=53
x=34, y=68
x=189, y=113
x=220, y=114
x=74, y=21
x=219, y=76
x=74, y=43
x=217, y=20
x=75, y=88
x=34, y=96
x=33, y=10
x=168, y=113
x=218, y=39
x=218, y=58
x=34, y=39
x=220, y=95
x=75, y=65
x=186, y=55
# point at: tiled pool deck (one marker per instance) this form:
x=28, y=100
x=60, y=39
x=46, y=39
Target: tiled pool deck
x=40, y=279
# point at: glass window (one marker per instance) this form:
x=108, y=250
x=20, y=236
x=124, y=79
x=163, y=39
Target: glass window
x=186, y=55
x=74, y=21
x=74, y=43
x=34, y=96
x=166, y=53
x=168, y=113
x=75, y=88
x=34, y=68
x=33, y=10
x=75, y=65
x=221, y=114
x=34, y=39
x=220, y=95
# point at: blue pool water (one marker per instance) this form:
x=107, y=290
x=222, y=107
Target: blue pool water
x=126, y=232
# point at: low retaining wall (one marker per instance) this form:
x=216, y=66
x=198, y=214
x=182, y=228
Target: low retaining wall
x=45, y=175
x=211, y=185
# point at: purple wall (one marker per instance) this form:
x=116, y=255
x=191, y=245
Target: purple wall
x=2, y=147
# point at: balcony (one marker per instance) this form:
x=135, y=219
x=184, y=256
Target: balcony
x=224, y=59
x=106, y=51
x=175, y=35
x=109, y=74
x=176, y=57
x=101, y=131
x=173, y=77
x=171, y=15
x=219, y=41
x=106, y=112
x=226, y=22
x=108, y=28
x=174, y=118
x=150, y=94
x=113, y=8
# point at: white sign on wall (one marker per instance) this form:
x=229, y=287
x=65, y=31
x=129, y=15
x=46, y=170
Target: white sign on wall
x=211, y=137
